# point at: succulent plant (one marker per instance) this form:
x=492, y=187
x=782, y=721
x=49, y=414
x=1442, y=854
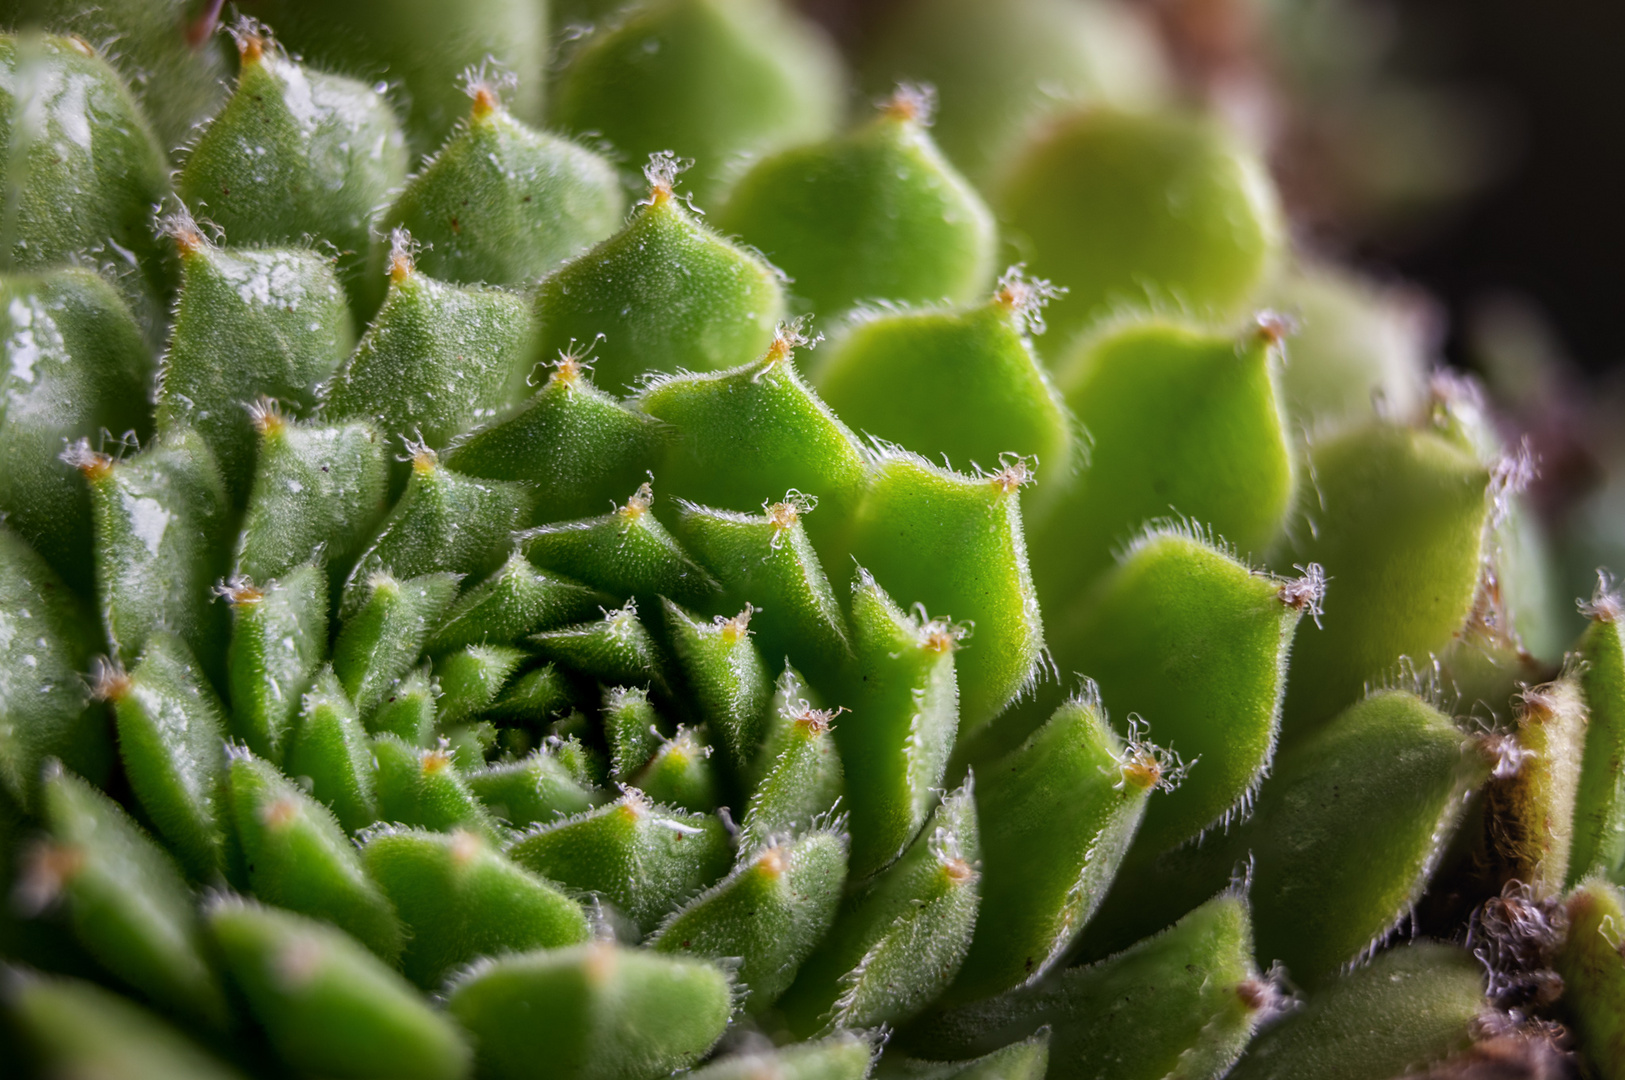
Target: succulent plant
x=452, y=623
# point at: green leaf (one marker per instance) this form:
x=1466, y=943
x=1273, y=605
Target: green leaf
x=444, y=523
x=516, y=600
x=874, y=214
x=800, y=769
x=616, y=649
x=955, y=544
x=1531, y=814
x=299, y=858
x=770, y=913
x=46, y=640
x=1182, y=422
x=125, y=900
x=681, y=774
x=626, y=552
x=381, y=641
x=898, y=942
x=905, y=713
x=409, y=710
x=423, y=787
x=644, y=859
x=1195, y=645
x=471, y=679
x=632, y=728
x=330, y=751
x=1409, y=1008
x=535, y=788
x=712, y=80
x=78, y=1029
x=1397, y=521
x=296, y=155
x=161, y=529
x=1181, y=1004
x=841, y=1057
x=1157, y=209
x=666, y=294
x=461, y=900
x=963, y=384
x=318, y=495
x=1025, y=1060
x=1056, y=817
x=502, y=203
x=72, y=364
x=602, y=1012
x=327, y=1005
x=575, y=445
x=1593, y=972
x=278, y=641
x=172, y=736
x=730, y=686
x=1599, y=812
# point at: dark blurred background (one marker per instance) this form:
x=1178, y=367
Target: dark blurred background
x=1476, y=147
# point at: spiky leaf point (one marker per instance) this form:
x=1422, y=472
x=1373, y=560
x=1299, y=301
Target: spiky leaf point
x=718, y=81
x=437, y=360
x=770, y=912
x=278, y=641
x=329, y=750
x=724, y=672
x=665, y=294
x=425, y=52
x=1142, y=209
x=443, y=523
x=632, y=728
x=328, y=1005
x=1410, y=1007
x=161, y=521
x=269, y=322
x=875, y=214
x=535, y=788
x=1593, y=971
x=1344, y=837
x=383, y=639
x=172, y=739
x=897, y=944
x=425, y=788
x=965, y=384
x=1025, y=1060
x=1001, y=70
x=318, y=494
x=767, y=560
x=72, y=364
x=538, y=696
x=894, y=747
x=955, y=544
x=841, y=1057
x=82, y=170
x=644, y=859
x=78, y=1029
x=1195, y=644
x=601, y=1010
x=1183, y=1003
x=516, y=600
x=461, y=900
x=1530, y=814
x=1181, y=421
x=125, y=899
x=626, y=552
x=1056, y=816
x=295, y=156
x=577, y=446
x=46, y=640
x=1599, y=813
x=755, y=432
x=471, y=679
x=502, y=203
x=801, y=779
x=616, y=650
x=681, y=773
x=298, y=857
x=1397, y=522
x=1360, y=350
